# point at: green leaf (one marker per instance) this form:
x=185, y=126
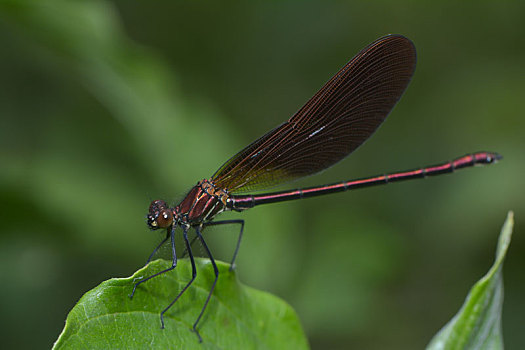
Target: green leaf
x=477, y=325
x=237, y=317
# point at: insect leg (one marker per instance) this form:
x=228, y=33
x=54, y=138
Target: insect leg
x=226, y=222
x=216, y=270
x=193, y=275
x=171, y=233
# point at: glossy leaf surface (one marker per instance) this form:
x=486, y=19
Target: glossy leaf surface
x=477, y=325
x=238, y=317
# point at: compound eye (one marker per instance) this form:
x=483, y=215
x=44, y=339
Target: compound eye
x=157, y=205
x=165, y=218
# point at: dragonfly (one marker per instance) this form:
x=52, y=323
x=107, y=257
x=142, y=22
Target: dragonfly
x=339, y=118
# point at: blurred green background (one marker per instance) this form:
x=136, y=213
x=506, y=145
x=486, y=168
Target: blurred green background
x=105, y=106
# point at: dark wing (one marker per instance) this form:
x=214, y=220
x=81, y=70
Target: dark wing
x=332, y=124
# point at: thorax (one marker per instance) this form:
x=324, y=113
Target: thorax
x=202, y=203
